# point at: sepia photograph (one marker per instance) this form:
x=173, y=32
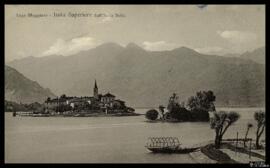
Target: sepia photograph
x=181, y=84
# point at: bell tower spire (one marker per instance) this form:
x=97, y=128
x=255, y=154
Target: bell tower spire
x=95, y=90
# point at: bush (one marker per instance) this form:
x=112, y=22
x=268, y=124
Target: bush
x=204, y=100
x=13, y=106
x=199, y=115
x=180, y=114
x=62, y=108
x=151, y=114
x=130, y=110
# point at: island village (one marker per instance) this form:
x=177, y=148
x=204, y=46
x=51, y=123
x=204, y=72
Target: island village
x=95, y=105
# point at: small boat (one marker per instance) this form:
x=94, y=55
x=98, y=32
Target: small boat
x=167, y=145
x=171, y=150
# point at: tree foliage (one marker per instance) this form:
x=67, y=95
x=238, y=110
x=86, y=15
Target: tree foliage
x=173, y=102
x=13, y=106
x=63, y=96
x=259, y=116
x=62, y=108
x=176, y=111
x=201, y=104
x=151, y=114
x=161, y=109
x=249, y=125
x=220, y=122
x=197, y=109
x=204, y=100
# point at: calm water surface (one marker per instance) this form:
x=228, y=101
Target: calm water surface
x=104, y=139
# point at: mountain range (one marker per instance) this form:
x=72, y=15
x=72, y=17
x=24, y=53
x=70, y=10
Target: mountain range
x=20, y=89
x=257, y=55
x=147, y=78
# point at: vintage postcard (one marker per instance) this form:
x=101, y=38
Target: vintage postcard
x=135, y=84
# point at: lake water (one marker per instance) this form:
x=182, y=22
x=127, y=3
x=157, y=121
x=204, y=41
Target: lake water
x=105, y=139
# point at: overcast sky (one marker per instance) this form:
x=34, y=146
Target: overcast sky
x=210, y=29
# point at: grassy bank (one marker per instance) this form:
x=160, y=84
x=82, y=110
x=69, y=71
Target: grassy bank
x=215, y=154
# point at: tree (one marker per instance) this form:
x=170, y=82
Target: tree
x=259, y=116
x=182, y=104
x=176, y=111
x=130, y=110
x=173, y=102
x=204, y=100
x=249, y=125
x=83, y=106
x=48, y=99
x=94, y=105
x=151, y=114
x=63, y=96
x=201, y=104
x=221, y=121
x=180, y=113
x=40, y=109
x=62, y=108
x=161, y=109
x=35, y=106
x=13, y=106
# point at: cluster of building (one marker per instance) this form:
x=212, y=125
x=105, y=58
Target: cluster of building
x=104, y=102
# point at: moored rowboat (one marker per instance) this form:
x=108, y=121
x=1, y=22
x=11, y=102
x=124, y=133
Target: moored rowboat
x=171, y=150
x=167, y=145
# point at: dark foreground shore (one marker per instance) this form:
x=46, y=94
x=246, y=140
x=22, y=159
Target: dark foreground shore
x=228, y=153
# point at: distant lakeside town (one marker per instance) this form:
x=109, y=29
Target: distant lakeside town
x=96, y=105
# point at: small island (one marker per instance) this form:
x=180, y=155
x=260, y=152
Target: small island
x=196, y=108
x=72, y=106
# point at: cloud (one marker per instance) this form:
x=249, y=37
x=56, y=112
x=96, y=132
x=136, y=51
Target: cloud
x=159, y=45
x=237, y=37
x=209, y=50
x=69, y=47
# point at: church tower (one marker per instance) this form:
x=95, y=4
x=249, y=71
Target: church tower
x=96, y=90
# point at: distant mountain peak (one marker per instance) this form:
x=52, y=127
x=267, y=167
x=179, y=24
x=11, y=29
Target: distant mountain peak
x=133, y=46
x=184, y=49
x=257, y=55
x=21, y=89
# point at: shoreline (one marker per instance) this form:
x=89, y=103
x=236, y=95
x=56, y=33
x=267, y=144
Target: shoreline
x=29, y=114
x=215, y=106
x=227, y=154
